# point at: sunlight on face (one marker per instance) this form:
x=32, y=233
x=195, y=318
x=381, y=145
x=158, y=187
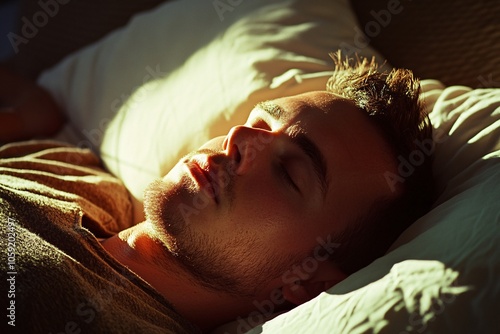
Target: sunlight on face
x=245, y=207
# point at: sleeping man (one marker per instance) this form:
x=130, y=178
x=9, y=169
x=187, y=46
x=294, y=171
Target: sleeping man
x=309, y=190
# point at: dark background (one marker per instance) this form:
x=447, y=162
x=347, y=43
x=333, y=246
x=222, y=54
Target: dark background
x=457, y=42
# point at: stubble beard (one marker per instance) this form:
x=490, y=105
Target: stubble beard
x=234, y=266
x=211, y=261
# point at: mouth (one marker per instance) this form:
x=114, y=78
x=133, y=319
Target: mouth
x=201, y=171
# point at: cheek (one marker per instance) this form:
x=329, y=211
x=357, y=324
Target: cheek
x=263, y=206
x=277, y=222
x=260, y=203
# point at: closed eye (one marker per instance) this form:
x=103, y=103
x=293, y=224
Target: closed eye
x=288, y=179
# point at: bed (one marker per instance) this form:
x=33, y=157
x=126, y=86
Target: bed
x=130, y=95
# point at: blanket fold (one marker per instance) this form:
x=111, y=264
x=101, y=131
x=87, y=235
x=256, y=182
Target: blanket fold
x=55, y=202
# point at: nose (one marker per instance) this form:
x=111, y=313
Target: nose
x=244, y=145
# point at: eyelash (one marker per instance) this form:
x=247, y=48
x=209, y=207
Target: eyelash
x=284, y=173
x=262, y=124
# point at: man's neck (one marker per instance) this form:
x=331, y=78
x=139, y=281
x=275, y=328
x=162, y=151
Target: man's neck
x=137, y=249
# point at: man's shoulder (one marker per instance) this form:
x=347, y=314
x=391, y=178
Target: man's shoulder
x=47, y=178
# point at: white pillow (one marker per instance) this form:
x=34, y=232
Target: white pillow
x=441, y=275
x=188, y=71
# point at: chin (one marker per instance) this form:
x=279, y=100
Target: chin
x=161, y=207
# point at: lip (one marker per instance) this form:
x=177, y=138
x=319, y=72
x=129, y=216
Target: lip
x=200, y=172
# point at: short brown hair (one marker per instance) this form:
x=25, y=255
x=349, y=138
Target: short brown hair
x=391, y=101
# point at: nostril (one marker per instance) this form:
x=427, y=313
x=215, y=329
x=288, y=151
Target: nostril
x=218, y=159
x=237, y=154
x=234, y=159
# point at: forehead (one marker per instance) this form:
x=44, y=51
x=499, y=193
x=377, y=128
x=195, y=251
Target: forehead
x=320, y=106
x=341, y=130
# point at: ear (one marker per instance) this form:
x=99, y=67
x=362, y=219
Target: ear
x=306, y=286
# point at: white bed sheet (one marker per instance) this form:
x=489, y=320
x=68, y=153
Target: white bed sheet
x=442, y=274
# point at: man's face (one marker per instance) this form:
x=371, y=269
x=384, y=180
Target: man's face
x=247, y=206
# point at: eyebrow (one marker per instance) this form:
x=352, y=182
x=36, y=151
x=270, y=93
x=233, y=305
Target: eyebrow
x=307, y=146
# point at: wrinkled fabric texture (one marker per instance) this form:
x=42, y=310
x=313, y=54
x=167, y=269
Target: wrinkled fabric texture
x=55, y=201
